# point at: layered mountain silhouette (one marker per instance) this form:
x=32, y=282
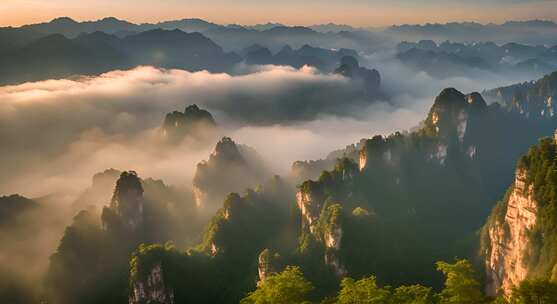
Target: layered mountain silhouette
x=323, y=59
x=456, y=59
x=529, y=32
x=533, y=99
x=99, y=52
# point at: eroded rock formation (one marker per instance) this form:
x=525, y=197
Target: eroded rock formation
x=152, y=289
x=268, y=263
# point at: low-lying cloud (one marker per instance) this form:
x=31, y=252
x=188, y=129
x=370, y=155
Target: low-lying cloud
x=56, y=134
x=57, y=131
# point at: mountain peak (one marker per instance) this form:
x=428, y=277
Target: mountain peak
x=475, y=100
x=127, y=201
x=227, y=149
x=449, y=96
x=64, y=21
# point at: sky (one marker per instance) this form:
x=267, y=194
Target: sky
x=353, y=12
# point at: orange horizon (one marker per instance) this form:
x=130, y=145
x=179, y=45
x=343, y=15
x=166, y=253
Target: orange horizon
x=29, y=12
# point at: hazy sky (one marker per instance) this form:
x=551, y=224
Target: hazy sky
x=302, y=12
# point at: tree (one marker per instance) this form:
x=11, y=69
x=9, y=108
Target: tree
x=461, y=284
x=535, y=292
x=287, y=287
x=363, y=291
x=414, y=294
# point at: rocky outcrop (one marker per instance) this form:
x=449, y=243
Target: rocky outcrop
x=126, y=206
x=375, y=151
x=152, y=289
x=509, y=242
x=323, y=222
x=268, y=263
x=308, y=199
x=457, y=123
x=448, y=117
x=332, y=237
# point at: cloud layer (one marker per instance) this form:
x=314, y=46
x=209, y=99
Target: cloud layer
x=56, y=134
x=59, y=130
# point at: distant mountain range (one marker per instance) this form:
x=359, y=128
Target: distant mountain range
x=99, y=52
x=64, y=47
x=529, y=32
x=452, y=58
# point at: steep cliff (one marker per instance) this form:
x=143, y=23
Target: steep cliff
x=321, y=220
x=268, y=263
x=509, y=238
x=147, y=277
x=519, y=238
x=331, y=223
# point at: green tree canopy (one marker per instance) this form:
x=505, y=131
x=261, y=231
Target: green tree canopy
x=461, y=284
x=363, y=291
x=287, y=287
x=414, y=294
x=535, y=292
